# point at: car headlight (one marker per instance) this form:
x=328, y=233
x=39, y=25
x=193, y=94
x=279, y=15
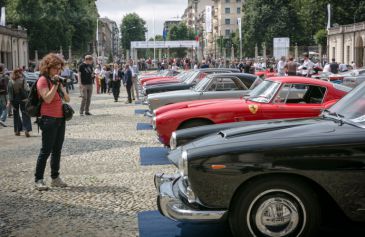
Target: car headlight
x=183, y=164
x=173, y=142
x=154, y=122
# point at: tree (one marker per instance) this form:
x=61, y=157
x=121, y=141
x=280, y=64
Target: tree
x=321, y=37
x=133, y=29
x=264, y=19
x=180, y=32
x=54, y=23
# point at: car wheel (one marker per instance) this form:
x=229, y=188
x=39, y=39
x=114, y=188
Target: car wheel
x=275, y=207
x=194, y=123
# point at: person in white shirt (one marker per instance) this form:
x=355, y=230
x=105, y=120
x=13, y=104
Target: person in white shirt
x=327, y=68
x=353, y=65
x=307, y=66
x=134, y=70
x=342, y=67
x=281, y=66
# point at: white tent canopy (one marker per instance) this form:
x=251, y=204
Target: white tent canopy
x=164, y=44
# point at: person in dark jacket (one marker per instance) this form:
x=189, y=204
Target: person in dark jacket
x=116, y=82
x=128, y=83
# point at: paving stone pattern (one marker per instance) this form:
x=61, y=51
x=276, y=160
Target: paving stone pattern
x=100, y=162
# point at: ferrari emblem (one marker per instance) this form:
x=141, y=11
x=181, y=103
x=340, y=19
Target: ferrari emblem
x=253, y=108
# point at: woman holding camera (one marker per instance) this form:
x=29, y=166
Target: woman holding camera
x=52, y=122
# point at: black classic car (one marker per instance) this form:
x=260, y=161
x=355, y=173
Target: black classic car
x=193, y=78
x=278, y=179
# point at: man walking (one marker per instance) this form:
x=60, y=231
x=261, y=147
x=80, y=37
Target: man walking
x=134, y=70
x=4, y=101
x=128, y=83
x=116, y=83
x=86, y=77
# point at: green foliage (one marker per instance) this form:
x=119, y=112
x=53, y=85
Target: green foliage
x=321, y=37
x=54, y=23
x=133, y=29
x=300, y=20
x=180, y=32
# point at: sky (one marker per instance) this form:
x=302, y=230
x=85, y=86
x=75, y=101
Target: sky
x=162, y=10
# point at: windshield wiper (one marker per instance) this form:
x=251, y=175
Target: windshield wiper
x=338, y=117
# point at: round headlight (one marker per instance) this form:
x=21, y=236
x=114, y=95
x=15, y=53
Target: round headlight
x=183, y=164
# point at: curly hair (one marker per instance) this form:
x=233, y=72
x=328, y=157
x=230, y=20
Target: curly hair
x=17, y=73
x=49, y=61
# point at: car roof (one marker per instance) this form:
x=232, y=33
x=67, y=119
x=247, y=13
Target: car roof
x=235, y=74
x=217, y=69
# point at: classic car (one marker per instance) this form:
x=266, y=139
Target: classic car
x=353, y=73
x=191, y=79
x=274, y=98
x=163, y=75
x=353, y=81
x=283, y=179
x=227, y=85
x=265, y=73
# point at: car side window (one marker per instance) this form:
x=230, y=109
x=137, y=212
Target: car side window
x=282, y=95
x=212, y=86
x=226, y=84
x=315, y=94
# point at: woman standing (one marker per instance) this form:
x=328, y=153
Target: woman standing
x=18, y=90
x=52, y=121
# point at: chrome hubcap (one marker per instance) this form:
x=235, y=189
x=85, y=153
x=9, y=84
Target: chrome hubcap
x=277, y=217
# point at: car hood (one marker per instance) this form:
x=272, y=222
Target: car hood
x=267, y=136
x=170, y=94
x=188, y=104
x=160, y=81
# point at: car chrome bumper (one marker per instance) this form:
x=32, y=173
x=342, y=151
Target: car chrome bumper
x=171, y=206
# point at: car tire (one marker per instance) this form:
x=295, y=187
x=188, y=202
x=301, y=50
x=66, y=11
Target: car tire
x=293, y=203
x=194, y=123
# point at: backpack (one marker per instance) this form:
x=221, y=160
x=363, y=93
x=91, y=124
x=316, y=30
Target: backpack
x=34, y=102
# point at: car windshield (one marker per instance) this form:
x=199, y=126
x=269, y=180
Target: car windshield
x=183, y=76
x=351, y=107
x=264, y=92
x=191, y=78
x=202, y=85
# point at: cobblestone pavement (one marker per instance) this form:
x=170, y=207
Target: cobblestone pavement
x=100, y=162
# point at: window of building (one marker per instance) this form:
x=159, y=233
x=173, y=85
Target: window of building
x=238, y=10
x=228, y=1
x=334, y=52
x=227, y=21
x=228, y=10
x=228, y=32
x=238, y=0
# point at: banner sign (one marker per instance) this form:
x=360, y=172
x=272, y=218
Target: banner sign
x=281, y=47
x=208, y=19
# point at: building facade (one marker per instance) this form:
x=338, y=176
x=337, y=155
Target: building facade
x=108, y=39
x=224, y=22
x=14, y=51
x=346, y=44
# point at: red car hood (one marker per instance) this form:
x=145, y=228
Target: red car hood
x=192, y=104
x=160, y=81
x=156, y=78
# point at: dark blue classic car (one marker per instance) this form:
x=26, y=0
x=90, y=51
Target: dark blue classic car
x=282, y=178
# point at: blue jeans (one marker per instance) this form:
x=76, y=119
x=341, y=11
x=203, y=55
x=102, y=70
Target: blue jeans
x=23, y=122
x=53, y=135
x=3, y=109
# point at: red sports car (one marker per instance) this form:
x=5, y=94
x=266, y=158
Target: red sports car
x=274, y=98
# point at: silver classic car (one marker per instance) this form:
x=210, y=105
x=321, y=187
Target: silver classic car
x=214, y=86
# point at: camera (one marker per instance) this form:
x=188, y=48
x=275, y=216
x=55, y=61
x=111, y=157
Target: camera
x=60, y=79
